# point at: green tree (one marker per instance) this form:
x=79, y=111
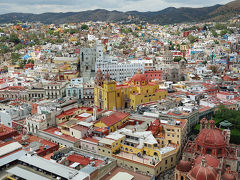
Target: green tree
x=192, y=38
x=5, y=68
x=14, y=38
x=18, y=47
x=15, y=57
x=177, y=59
x=84, y=27
x=214, y=33
x=205, y=62
x=223, y=32
x=73, y=31
x=4, y=49
x=220, y=26
x=50, y=31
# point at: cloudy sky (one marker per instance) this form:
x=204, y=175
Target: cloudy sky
x=40, y=6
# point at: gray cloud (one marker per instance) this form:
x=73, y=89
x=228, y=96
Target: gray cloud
x=40, y=6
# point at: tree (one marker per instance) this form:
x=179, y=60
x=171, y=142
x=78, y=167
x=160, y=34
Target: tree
x=30, y=61
x=18, y=47
x=214, y=33
x=73, y=31
x=219, y=26
x=14, y=38
x=84, y=27
x=178, y=47
x=177, y=59
x=223, y=32
x=192, y=38
x=205, y=62
x=50, y=31
x=15, y=57
x=4, y=49
x=5, y=68
x=182, y=78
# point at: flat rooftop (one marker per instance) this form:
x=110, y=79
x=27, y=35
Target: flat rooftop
x=119, y=169
x=25, y=174
x=48, y=166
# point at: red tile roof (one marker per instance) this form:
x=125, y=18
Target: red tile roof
x=113, y=118
x=52, y=130
x=79, y=159
x=67, y=113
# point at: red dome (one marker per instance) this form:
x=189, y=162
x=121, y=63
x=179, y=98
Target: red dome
x=138, y=77
x=211, y=160
x=228, y=176
x=200, y=172
x=184, y=166
x=211, y=138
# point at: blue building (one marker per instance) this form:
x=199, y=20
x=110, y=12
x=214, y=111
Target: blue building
x=75, y=88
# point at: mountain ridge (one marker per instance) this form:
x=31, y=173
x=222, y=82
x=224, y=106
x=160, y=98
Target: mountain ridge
x=169, y=15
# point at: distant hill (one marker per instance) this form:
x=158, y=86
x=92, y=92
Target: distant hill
x=167, y=16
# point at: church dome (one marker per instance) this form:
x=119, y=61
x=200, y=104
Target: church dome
x=138, y=77
x=211, y=137
x=228, y=176
x=184, y=166
x=203, y=172
x=211, y=160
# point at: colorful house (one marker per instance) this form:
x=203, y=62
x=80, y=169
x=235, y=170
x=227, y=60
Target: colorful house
x=113, y=121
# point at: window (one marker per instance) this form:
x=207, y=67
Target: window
x=166, y=161
x=171, y=159
x=209, y=151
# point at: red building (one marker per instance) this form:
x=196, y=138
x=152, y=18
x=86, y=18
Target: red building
x=209, y=157
x=6, y=132
x=186, y=33
x=29, y=66
x=19, y=126
x=178, y=53
x=153, y=75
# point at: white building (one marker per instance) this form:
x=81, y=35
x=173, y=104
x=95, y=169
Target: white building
x=118, y=71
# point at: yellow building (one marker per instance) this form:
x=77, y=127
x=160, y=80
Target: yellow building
x=112, y=121
x=138, y=151
x=109, y=95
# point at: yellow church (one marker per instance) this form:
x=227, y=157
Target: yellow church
x=112, y=96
